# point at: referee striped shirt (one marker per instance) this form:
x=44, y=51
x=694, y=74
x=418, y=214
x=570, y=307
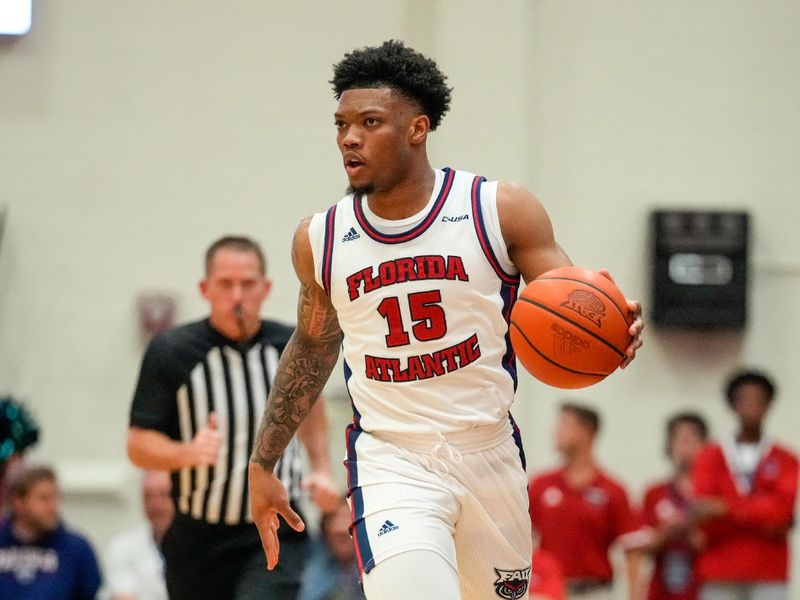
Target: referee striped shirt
x=193, y=370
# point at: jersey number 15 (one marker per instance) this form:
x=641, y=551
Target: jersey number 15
x=426, y=312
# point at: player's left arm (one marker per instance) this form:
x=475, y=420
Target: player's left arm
x=528, y=234
x=313, y=434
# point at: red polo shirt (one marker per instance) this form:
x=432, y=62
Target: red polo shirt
x=674, y=570
x=750, y=543
x=546, y=578
x=577, y=526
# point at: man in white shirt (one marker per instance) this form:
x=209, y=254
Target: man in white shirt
x=134, y=567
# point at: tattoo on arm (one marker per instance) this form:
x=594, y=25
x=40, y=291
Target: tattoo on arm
x=304, y=368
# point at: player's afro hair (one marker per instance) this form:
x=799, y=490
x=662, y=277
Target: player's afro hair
x=400, y=68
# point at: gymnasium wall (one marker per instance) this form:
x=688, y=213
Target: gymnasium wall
x=132, y=135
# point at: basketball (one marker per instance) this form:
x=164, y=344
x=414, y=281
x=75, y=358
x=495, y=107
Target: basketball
x=569, y=327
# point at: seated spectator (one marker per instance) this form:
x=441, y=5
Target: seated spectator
x=39, y=558
x=134, y=565
x=748, y=483
x=18, y=432
x=547, y=580
x=332, y=573
x=579, y=512
x=675, y=540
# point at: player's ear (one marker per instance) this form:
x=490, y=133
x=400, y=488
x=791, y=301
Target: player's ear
x=203, y=287
x=418, y=130
x=266, y=289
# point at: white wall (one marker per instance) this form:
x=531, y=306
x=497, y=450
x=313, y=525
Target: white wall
x=132, y=135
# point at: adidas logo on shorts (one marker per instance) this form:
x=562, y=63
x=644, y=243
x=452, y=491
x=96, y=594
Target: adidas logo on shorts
x=387, y=527
x=351, y=235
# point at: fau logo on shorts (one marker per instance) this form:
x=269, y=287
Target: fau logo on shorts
x=512, y=585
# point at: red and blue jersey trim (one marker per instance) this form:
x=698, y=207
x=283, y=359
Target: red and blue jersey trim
x=358, y=527
x=483, y=236
x=327, y=253
x=416, y=231
x=517, y=435
x=509, y=282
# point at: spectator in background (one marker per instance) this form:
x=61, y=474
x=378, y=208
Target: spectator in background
x=578, y=511
x=332, y=573
x=39, y=558
x=675, y=540
x=748, y=484
x=547, y=580
x=18, y=432
x=134, y=565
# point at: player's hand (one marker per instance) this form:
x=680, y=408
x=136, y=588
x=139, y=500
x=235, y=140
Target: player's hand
x=204, y=447
x=268, y=499
x=636, y=328
x=322, y=491
x=706, y=509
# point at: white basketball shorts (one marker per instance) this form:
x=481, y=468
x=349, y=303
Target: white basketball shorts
x=463, y=496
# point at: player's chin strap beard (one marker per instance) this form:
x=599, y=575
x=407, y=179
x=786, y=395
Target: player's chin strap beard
x=238, y=312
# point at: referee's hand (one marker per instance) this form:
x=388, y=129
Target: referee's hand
x=268, y=499
x=204, y=447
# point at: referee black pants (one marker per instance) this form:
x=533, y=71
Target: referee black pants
x=224, y=562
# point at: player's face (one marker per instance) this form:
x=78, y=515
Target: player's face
x=234, y=279
x=39, y=510
x=376, y=130
x=685, y=444
x=571, y=434
x=750, y=403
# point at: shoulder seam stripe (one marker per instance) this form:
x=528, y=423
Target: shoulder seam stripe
x=483, y=237
x=327, y=255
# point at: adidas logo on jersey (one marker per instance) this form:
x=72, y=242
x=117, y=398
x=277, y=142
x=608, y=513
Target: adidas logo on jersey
x=351, y=235
x=446, y=219
x=387, y=527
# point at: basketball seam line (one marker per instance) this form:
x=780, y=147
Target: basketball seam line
x=594, y=287
x=550, y=360
x=578, y=325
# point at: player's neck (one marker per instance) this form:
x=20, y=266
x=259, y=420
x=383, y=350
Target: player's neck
x=580, y=468
x=749, y=435
x=235, y=331
x=24, y=532
x=407, y=197
x=683, y=482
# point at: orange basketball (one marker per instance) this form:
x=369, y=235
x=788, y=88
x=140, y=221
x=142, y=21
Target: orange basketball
x=569, y=327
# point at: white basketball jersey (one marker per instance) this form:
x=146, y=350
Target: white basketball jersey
x=424, y=305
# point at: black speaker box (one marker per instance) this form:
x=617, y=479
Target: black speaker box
x=700, y=268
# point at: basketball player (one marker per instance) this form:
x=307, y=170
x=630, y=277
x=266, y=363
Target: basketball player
x=201, y=388
x=415, y=272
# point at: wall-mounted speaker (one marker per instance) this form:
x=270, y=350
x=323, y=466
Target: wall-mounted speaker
x=699, y=268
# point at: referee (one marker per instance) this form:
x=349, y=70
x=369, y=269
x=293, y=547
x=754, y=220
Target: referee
x=201, y=389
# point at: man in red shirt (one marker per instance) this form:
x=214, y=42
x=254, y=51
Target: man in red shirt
x=750, y=485
x=675, y=540
x=547, y=580
x=579, y=511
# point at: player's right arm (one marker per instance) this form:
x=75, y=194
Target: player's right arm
x=528, y=233
x=303, y=370
x=151, y=449
x=154, y=413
